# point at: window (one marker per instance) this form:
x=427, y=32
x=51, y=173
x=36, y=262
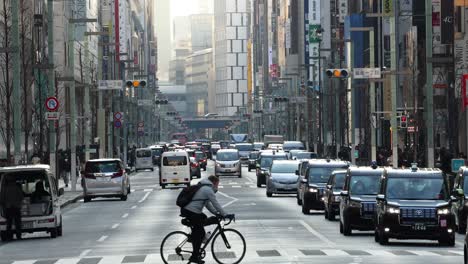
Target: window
x=175, y=161
x=416, y=188
x=284, y=167
x=143, y=153
x=364, y=184
x=102, y=167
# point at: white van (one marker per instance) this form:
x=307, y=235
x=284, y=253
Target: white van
x=40, y=210
x=144, y=159
x=175, y=168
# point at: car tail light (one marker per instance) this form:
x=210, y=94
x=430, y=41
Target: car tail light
x=89, y=176
x=164, y=180
x=194, y=165
x=120, y=173
x=203, y=160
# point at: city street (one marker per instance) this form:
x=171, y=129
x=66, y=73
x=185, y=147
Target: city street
x=109, y=231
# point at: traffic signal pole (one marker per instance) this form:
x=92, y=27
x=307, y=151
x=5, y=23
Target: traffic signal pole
x=429, y=92
x=393, y=61
x=51, y=82
x=372, y=97
x=72, y=97
x=16, y=80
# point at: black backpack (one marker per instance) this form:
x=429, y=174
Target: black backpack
x=187, y=194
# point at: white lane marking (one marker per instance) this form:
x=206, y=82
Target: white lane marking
x=102, y=238
x=250, y=180
x=125, y=216
x=144, y=197
x=148, y=190
x=423, y=253
x=253, y=186
x=68, y=261
x=85, y=253
x=317, y=234
x=459, y=244
x=111, y=259
x=133, y=207
x=456, y=252
x=236, y=186
x=132, y=190
x=382, y=253
x=220, y=187
x=230, y=197
x=115, y=226
x=335, y=252
x=24, y=262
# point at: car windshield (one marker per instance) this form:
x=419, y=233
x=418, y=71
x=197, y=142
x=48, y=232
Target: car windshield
x=245, y=147
x=339, y=181
x=284, y=167
x=416, y=188
x=266, y=162
x=295, y=145
x=175, y=161
x=253, y=155
x=258, y=146
x=102, y=167
x=157, y=152
x=320, y=175
x=144, y=153
x=364, y=184
x=227, y=156
x=306, y=155
x=199, y=155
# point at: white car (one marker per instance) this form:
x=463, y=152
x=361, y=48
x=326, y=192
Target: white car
x=228, y=163
x=175, y=168
x=40, y=210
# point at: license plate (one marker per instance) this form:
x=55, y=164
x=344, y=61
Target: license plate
x=228, y=170
x=176, y=180
x=27, y=225
x=443, y=223
x=419, y=227
x=102, y=179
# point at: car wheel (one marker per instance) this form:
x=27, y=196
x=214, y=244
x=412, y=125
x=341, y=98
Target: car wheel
x=305, y=208
x=383, y=239
x=204, y=168
x=447, y=241
x=87, y=199
x=240, y=174
x=4, y=236
x=269, y=194
x=465, y=255
x=341, y=227
x=325, y=215
x=123, y=198
x=376, y=235
x=299, y=202
x=347, y=231
x=461, y=229
x=60, y=229
x=249, y=169
x=53, y=233
x=163, y=186
x=331, y=214
x=152, y=169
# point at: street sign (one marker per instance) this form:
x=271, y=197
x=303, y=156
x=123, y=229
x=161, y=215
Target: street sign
x=52, y=103
x=313, y=34
x=140, y=129
x=110, y=84
x=367, y=73
x=118, y=115
x=411, y=129
x=457, y=163
x=141, y=124
x=118, y=123
x=145, y=102
x=52, y=115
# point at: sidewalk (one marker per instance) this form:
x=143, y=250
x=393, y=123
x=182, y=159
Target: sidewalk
x=70, y=197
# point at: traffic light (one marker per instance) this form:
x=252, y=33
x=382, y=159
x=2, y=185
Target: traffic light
x=403, y=121
x=171, y=113
x=136, y=83
x=337, y=73
x=281, y=99
x=162, y=101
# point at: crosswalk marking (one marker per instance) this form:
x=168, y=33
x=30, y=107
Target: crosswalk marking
x=68, y=261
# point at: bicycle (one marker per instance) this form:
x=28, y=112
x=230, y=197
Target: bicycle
x=227, y=245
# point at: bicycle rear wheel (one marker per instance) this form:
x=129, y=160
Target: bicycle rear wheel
x=175, y=248
x=228, y=247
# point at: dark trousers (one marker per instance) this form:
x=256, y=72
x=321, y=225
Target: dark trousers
x=198, y=231
x=13, y=215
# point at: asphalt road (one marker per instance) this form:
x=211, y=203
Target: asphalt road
x=109, y=231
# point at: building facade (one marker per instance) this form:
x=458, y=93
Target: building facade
x=198, y=67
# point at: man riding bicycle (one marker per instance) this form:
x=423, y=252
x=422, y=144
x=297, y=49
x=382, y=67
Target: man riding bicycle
x=205, y=196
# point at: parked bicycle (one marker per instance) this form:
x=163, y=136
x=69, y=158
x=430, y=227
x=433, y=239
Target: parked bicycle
x=227, y=245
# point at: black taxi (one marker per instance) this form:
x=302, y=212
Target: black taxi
x=264, y=163
x=358, y=203
x=414, y=203
x=311, y=185
x=460, y=207
x=332, y=198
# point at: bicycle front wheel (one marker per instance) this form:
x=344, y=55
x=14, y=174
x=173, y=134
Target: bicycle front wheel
x=175, y=248
x=228, y=247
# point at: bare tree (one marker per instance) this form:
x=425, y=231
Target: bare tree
x=6, y=86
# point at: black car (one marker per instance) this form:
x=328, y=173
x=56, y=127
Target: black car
x=414, y=204
x=264, y=163
x=465, y=250
x=195, y=170
x=332, y=198
x=157, y=153
x=358, y=203
x=311, y=184
x=253, y=156
x=206, y=147
x=201, y=158
x=460, y=207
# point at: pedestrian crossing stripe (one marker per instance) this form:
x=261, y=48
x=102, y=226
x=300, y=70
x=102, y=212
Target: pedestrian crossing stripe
x=258, y=254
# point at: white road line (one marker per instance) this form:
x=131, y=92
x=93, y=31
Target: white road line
x=84, y=253
x=456, y=252
x=24, y=262
x=220, y=187
x=230, y=197
x=125, y=216
x=144, y=197
x=115, y=226
x=133, y=207
x=459, y=244
x=236, y=186
x=250, y=180
x=335, y=252
x=132, y=190
x=148, y=190
x=68, y=261
x=102, y=239
x=382, y=253
x=423, y=253
x=317, y=234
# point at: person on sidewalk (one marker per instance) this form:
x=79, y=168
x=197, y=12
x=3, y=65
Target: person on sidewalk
x=11, y=201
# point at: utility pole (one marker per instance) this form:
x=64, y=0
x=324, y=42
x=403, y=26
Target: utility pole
x=51, y=84
x=372, y=97
x=429, y=92
x=16, y=79
x=101, y=112
x=352, y=99
x=87, y=110
x=72, y=96
x=394, y=85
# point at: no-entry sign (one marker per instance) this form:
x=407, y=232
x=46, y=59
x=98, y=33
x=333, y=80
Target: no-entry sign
x=52, y=103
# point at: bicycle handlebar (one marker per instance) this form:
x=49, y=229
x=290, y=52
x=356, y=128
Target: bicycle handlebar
x=230, y=217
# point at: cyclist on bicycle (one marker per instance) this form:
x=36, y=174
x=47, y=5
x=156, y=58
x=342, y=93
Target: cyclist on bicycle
x=204, y=197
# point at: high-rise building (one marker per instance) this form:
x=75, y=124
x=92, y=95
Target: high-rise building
x=198, y=78
x=163, y=29
x=231, y=34
x=201, y=31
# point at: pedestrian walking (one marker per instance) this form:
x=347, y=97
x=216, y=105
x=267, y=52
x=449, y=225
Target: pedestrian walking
x=11, y=200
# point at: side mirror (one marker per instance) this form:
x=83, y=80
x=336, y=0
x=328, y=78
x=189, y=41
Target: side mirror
x=460, y=192
x=61, y=191
x=304, y=180
x=257, y=166
x=344, y=193
x=380, y=197
x=454, y=198
x=297, y=172
x=329, y=186
x=82, y=172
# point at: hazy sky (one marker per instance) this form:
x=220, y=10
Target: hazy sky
x=183, y=7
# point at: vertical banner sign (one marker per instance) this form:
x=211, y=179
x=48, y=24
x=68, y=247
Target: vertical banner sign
x=80, y=12
x=446, y=13
x=388, y=8
x=436, y=30
x=288, y=34
x=249, y=69
x=342, y=10
x=314, y=41
x=464, y=94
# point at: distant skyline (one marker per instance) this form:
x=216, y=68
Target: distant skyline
x=187, y=7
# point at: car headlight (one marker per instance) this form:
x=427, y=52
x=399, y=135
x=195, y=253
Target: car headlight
x=337, y=198
x=356, y=204
x=313, y=190
x=443, y=211
x=393, y=210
